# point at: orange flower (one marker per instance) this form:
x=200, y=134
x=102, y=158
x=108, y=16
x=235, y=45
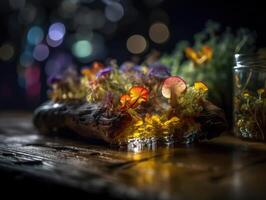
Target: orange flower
x=200, y=57
x=137, y=95
x=192, y=54
x=96, y=67
x=207, y=51
x=91, y=72
x=125, y=101
x=87, y=73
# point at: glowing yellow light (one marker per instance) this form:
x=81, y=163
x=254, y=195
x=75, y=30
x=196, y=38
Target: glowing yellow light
x=159, y=33
x=136, y=44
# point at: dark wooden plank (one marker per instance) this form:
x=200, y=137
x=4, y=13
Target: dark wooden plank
x=223, y=168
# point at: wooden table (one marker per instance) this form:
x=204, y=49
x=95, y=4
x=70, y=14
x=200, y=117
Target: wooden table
x=223, y=168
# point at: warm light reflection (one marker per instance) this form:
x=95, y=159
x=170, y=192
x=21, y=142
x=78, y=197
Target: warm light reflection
x=150, y=170
x=136, y=44
x=159, y=33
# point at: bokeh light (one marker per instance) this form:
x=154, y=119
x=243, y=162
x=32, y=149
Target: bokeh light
x=41, y=52
x=159, y=33
x=27, y=14
x=114, y=11
x=136, y=44
x=52, y=67
x=89, y=19
x=32, y=78
x=17, y=4
x=109, y=28
x=53, y=43
x=6, y=52
x=35, y=35
x=56, y=31
x=82, y=48
x=58, y=63
x=26, y=58
x=68, y=8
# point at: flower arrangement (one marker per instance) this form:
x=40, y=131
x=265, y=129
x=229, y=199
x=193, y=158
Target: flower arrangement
x=210, y=59
x=159, y=106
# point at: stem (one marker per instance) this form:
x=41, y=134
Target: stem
x=248, y=79
x=258, y=124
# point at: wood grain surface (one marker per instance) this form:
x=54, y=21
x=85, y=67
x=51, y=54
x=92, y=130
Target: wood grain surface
x=222, y=168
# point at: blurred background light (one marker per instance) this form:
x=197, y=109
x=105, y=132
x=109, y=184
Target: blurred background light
x=98, y=19
x=114, y=11
x=82, y=48
x=32, y=78
x=26, y=58
x=41, y=52
x=52, y=67
x=57, y=31
x=58, y=63
x=27, y=14
x=63, y=33
x=53, y=43
x=35, y=35
x=21, y=80
x=109, y=28
x=159, y=33
x=17, y=4
x=6, y=52
x=86, y=18
x=68, y=8
x=136, y=44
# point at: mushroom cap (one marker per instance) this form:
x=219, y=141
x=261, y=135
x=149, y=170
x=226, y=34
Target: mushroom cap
x=173, y=83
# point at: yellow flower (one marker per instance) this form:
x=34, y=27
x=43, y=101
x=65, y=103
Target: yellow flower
x=200, y=86
x=139, y=123
x=173, y=120
x=156, y=118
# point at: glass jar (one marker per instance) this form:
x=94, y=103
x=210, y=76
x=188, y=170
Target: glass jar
x=250, y=97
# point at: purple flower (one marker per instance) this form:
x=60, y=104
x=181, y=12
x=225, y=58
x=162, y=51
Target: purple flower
x=158, y=71
x=84, y=67
x=104, y=72
x=137, y=68
x=126, y=66
x=54, y=79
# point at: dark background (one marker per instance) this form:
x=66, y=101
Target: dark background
x=183, y=18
